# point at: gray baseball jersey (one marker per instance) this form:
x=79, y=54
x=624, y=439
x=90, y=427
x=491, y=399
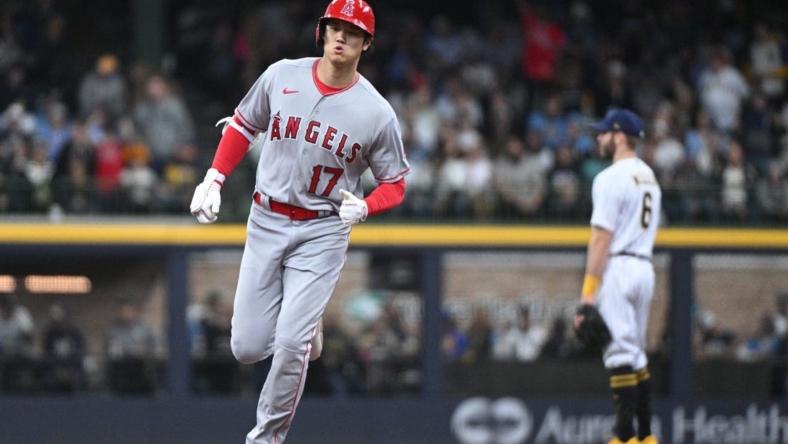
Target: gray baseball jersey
x=315, y=144
x=627, y=202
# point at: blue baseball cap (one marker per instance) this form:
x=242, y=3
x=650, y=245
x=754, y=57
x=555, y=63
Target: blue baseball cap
x=622, y=120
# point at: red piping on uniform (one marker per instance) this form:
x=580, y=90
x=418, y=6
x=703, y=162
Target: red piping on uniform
x=295, y=399
x=395, y=178
x=245, y=122
x=237, y=119
x=328, y=90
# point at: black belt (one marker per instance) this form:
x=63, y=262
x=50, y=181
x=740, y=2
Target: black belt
x=627, y=253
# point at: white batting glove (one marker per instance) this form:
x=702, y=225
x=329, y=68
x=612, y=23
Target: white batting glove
x=353, y=210
x=207, y=199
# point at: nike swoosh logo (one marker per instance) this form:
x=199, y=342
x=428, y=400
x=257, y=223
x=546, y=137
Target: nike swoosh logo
x=289, y=91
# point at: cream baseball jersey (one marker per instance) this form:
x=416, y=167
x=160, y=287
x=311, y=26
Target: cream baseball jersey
x=627, y=202
x=316, y=144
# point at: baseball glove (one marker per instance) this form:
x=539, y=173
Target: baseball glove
x=592, y=330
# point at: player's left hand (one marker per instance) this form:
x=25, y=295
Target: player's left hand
x=353, y=210
x=590, y=328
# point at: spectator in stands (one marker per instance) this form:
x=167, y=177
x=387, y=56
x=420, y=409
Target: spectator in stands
x=104, y=88
x=521, y=178
x=543, y=45
x=520, y=341
x=216, y=371
x=138, y=74
x=453, y=340
x=54, y=128
x=780, y=314
x=565, y=196
x=444, y=45
x=578, y=138
x=758, y=134
x=722, y=89
x=15, y=85
x=422, y=117
x=391, y=351
x=480, y=337
x=500, y=118
x=694, y=201
x=63, y=347
x=72, y=182
x=38, y=173
x=130, y=351
x=216, y=325
x=737, y=180
x=557, y=344
x=420, y=130
x=615, y=90
x=17, y=127
x=771, y=194
x=16, y=327
x=704, y=146
x=17, y=121
x=475, y=69
x=16, y=345
x=550, y=121
x=454, y=103
x=667, y=157
x=479, y=183
x=108, y=151
x=343, y=372
x=761, y=345
x=181, y=172
x=138, y=180
x=715, y=339
x=163, y=119
x=766, y=345
x=451, y=199
x=79, y=148
x=669, y=152
x=767, y=61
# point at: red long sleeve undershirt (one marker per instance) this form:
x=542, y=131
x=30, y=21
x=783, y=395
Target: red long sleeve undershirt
x=385, y=197
x=234, y=145
x=232, y=148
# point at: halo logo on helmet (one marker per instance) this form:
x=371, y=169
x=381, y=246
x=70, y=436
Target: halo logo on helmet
x=348, y=9
x=355, y=12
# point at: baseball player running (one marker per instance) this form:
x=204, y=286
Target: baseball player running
x=619, y=275
x=321, y=126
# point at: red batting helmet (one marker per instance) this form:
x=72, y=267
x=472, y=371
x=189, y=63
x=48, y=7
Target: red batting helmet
x=355, y=12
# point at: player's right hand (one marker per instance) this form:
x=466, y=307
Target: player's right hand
x=207, y=199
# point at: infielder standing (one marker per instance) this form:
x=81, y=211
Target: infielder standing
x=619, y=275
x=322, y=126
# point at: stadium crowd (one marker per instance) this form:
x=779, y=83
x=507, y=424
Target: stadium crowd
x=493, y=105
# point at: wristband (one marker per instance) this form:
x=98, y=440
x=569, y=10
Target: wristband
x=590, y=283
